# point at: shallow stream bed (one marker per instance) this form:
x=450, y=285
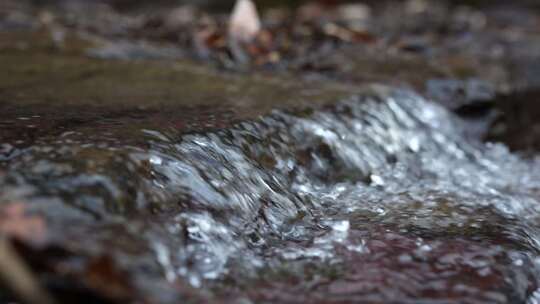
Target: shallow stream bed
x=167, y=181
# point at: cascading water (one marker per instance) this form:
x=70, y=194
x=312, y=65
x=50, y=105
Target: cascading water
x=378, y=198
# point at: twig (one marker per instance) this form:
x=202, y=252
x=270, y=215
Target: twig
x=18, y=278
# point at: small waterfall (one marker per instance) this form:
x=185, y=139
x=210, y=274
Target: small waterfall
x=380, y=197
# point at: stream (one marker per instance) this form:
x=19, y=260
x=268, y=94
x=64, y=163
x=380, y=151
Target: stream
x=384, y=152
x=382, y=197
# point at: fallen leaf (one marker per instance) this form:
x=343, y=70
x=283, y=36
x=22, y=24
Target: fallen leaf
x=15, y=223
x=103, y=275
x=244, y=23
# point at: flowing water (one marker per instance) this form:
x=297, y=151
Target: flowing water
x=382, y=197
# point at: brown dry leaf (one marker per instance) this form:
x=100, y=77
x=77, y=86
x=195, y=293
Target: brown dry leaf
x=103, y=276
x=15, y=223
x=244, y=23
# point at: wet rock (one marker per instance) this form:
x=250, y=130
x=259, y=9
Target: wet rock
x=54, y=94
x=517, y=121
x=455, y=94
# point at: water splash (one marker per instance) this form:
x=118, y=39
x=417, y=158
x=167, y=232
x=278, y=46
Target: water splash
x=381, y=197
